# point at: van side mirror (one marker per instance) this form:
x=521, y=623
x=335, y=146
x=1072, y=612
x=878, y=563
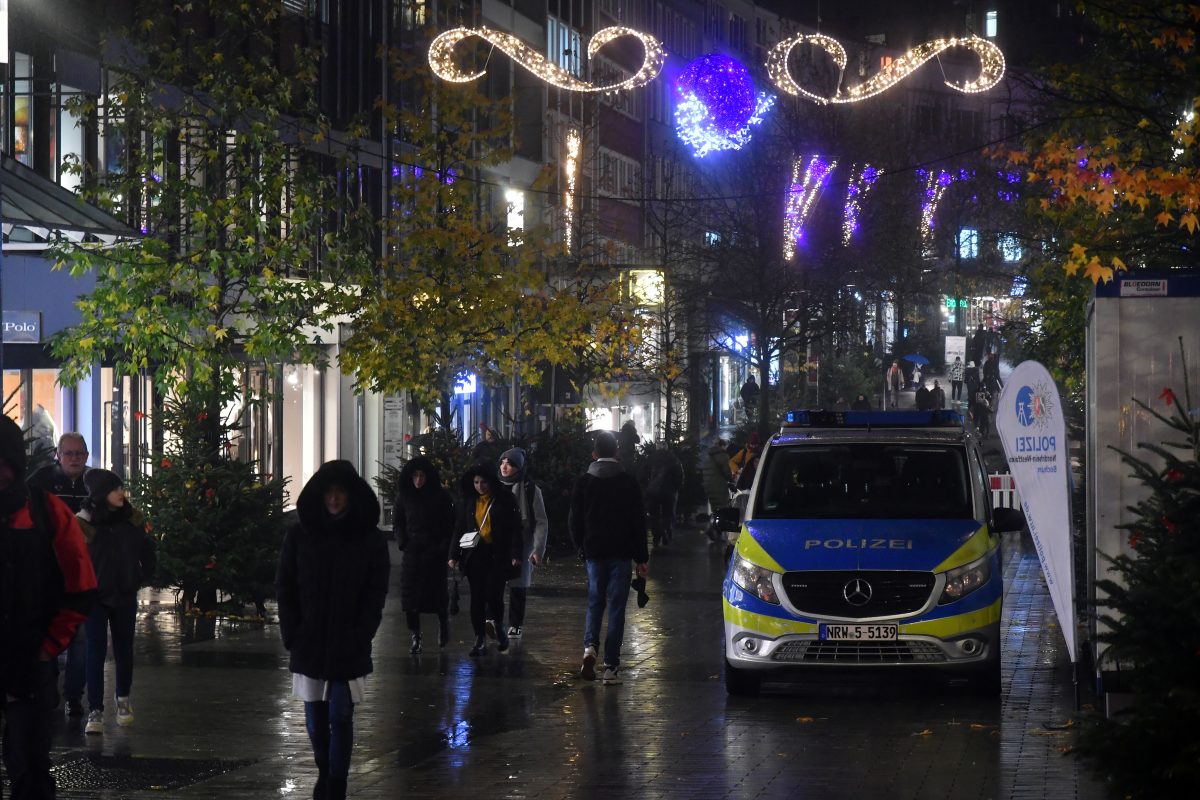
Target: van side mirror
x=727, y=520
x=1008, y=519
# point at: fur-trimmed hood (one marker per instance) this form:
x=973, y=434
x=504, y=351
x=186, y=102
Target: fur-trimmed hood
x=363, y=509
x=433, y=478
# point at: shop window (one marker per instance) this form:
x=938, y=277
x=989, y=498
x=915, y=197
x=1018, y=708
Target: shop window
x=22, y=120
x=35, y=401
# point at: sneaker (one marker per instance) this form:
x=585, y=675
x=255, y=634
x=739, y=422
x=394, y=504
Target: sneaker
x=588, y=670
x=74, y=708
x=124, y=712
x=610, y=677
x=489, y=627
x=514, y=632
x=95, y=723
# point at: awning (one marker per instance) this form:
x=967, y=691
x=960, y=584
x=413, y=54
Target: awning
x=35, y=211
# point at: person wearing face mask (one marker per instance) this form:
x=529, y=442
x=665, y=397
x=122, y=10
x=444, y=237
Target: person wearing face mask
x=331, y=585
x=423, y=524
x=123, y=556
x=487, y=543
x=534, y=528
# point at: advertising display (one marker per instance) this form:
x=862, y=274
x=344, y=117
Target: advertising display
x=1030, y=422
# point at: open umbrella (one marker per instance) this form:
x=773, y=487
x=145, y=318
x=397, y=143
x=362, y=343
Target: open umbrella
x=917, y=358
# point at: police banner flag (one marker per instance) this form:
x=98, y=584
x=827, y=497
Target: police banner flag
x=1029, y=420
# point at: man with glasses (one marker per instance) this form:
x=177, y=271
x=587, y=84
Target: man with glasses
x=64, y=478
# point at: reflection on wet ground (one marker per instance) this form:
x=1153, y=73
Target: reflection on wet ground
x=215, y=720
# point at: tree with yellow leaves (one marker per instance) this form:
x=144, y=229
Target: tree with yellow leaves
x=456, y=292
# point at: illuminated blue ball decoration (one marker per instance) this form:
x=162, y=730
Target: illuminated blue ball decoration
x=716, y=105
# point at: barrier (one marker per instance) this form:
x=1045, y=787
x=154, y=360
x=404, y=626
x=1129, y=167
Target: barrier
x=1004, y=490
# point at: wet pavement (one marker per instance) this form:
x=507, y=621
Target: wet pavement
x=215, y=720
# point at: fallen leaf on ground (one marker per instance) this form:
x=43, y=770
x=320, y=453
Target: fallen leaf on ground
x=926, y=732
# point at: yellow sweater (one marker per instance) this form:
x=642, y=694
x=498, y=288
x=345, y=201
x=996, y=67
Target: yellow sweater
x=482, y=518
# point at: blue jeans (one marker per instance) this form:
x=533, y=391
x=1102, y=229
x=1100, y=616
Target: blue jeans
x=120, y=621
x=608, y=588
x=74, y=673
x=330, y=725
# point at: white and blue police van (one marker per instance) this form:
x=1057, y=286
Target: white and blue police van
x=868, y=541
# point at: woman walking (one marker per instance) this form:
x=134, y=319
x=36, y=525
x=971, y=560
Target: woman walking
x=331, y=582
x=491, y=525
x=123, y=556
x=424, y=523
x=534, y=528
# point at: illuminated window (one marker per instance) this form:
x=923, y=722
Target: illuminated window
x=515, y=200
x=1010, y=248
x=968, y=243
x=563, y=45
x=989, y=25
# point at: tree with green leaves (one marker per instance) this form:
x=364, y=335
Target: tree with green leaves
x=216, y=126
x=456, y=291
x=218, y=123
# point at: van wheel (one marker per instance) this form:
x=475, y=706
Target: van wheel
x=740, y=682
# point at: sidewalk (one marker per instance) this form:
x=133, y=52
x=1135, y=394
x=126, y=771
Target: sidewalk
x=215, y=720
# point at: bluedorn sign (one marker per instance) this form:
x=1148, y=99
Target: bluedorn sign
x=22, y=327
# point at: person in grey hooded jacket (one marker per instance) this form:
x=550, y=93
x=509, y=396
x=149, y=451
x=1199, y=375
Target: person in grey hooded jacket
x=534, y=526
x=608, y=526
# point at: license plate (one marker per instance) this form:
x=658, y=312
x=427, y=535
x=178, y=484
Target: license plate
x=837, y=632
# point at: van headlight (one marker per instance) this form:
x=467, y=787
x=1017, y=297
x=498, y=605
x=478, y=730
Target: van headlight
x=754, y=579
x=961, y=581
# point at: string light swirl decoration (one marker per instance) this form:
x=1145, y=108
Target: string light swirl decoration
x=716, y=105
x=441, y=58
x=991, y=67
x=809, y=177
x=862, y=178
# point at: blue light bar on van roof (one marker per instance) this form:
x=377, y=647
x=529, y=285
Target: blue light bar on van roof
x=873, y=419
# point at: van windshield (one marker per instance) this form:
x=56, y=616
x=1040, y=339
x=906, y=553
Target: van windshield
x=871, y=480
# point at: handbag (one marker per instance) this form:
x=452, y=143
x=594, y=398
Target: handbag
x=470, y=539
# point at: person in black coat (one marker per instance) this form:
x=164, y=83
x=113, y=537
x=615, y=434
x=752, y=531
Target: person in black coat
x=489, y=509
x=424, y=524
x=331, y=583
x=122, y=554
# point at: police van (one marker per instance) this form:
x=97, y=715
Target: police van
x=868, y=541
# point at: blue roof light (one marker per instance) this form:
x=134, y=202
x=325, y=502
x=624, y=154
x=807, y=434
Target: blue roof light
x=802, y=418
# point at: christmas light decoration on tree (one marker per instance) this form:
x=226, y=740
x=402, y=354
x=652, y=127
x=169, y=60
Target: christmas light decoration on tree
x=935, y=187
x=802, y=194
x=991, y=67
x=716, y=105
x=862, y=178
x=441, y=58
x=571, y=165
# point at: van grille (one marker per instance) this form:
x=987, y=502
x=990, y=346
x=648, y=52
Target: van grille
x=818, y=652
x=823, y=593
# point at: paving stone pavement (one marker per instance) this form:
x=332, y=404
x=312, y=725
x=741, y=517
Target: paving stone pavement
x=215, y=720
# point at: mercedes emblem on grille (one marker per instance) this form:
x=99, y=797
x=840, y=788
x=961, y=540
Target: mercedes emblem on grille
x=857, y=592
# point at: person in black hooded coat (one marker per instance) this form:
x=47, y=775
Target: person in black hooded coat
x=424, y=524
x=331, y=583
x=489, y=508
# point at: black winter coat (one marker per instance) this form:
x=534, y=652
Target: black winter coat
x=507, y=534
x=122, y=552
x=424, y=525
x=608, y=516
x=332, y=579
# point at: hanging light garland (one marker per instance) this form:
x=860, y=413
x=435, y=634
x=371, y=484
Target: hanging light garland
x=716, y=105
x=862, y=178
x=801, y=196
x=441, y=58
x=571, y=165
x=991, y=67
